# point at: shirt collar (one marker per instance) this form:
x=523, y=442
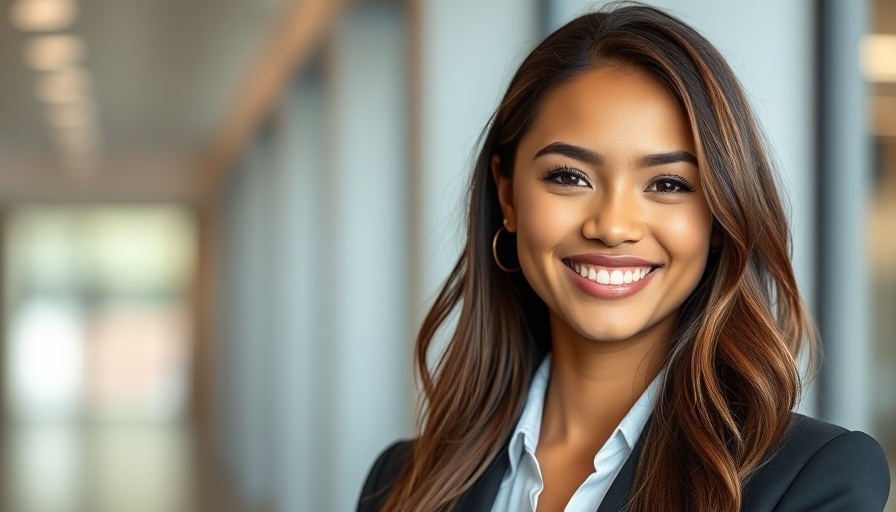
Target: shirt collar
x=528, y=428
x=633, y=423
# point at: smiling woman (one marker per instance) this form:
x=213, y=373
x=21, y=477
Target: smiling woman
x=642, y=356
x=606, y=185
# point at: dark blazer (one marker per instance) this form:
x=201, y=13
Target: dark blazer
x=817, y=467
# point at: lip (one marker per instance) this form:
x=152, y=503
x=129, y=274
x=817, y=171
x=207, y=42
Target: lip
x=611, y=291
x=604, y=260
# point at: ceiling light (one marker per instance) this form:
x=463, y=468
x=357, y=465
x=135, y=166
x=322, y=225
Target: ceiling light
x=67, y=86
x=43, y=15
x=71, y=115
x=80, y=170
x=55, y=52
x=878, y=57
x=82, y=160
x=82, y=163
x=75, y=141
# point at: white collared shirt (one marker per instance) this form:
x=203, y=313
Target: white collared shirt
x=523, y=481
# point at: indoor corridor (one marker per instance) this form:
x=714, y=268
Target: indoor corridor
x=223, y=221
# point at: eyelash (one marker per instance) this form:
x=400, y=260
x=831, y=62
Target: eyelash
x=674, y=179
x=554, y=175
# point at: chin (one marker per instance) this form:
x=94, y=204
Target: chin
x=607, y=334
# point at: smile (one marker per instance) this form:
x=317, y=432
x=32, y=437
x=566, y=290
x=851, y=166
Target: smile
x=610, y=277
x=613, y=276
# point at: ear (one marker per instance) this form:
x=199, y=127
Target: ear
x=505, y=194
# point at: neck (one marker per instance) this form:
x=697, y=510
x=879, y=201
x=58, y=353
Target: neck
x=594, y=384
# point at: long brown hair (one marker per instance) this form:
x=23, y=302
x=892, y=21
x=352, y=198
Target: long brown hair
x=732, y=377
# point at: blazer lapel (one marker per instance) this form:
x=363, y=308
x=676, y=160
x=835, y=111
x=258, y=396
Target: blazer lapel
x=481, y=496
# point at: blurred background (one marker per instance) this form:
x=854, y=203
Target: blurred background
x=222, y=221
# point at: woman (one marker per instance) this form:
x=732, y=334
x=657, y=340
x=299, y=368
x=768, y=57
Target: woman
x=629, y=323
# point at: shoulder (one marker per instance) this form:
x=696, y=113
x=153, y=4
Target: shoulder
x=821, y=467
x=382, y=475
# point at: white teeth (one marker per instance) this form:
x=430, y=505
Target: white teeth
x=616, y=277
x=611, y=277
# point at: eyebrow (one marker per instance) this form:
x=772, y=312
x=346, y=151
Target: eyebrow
x=575, y=152
x=671, y=157
x=590, y=157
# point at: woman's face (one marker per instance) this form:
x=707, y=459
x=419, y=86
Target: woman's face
x=613, y=227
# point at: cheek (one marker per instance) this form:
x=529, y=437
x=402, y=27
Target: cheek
x=686, y=235
x=544, y=220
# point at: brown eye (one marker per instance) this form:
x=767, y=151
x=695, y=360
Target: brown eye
x=667, y=187
x=570, y=180
x=670, y=185
x=566, y=177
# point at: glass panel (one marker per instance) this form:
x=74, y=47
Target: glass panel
x=97, y=301
x=97, y=358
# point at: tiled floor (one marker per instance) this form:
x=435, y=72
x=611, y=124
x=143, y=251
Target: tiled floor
x=109, y=468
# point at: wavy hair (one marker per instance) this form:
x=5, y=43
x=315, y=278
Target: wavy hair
x=732, y=376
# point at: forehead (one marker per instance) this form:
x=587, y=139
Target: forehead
x=611, y=109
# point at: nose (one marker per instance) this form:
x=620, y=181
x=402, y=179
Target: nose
x=615, y=217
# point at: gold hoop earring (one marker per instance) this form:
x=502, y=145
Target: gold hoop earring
x=495, y=252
